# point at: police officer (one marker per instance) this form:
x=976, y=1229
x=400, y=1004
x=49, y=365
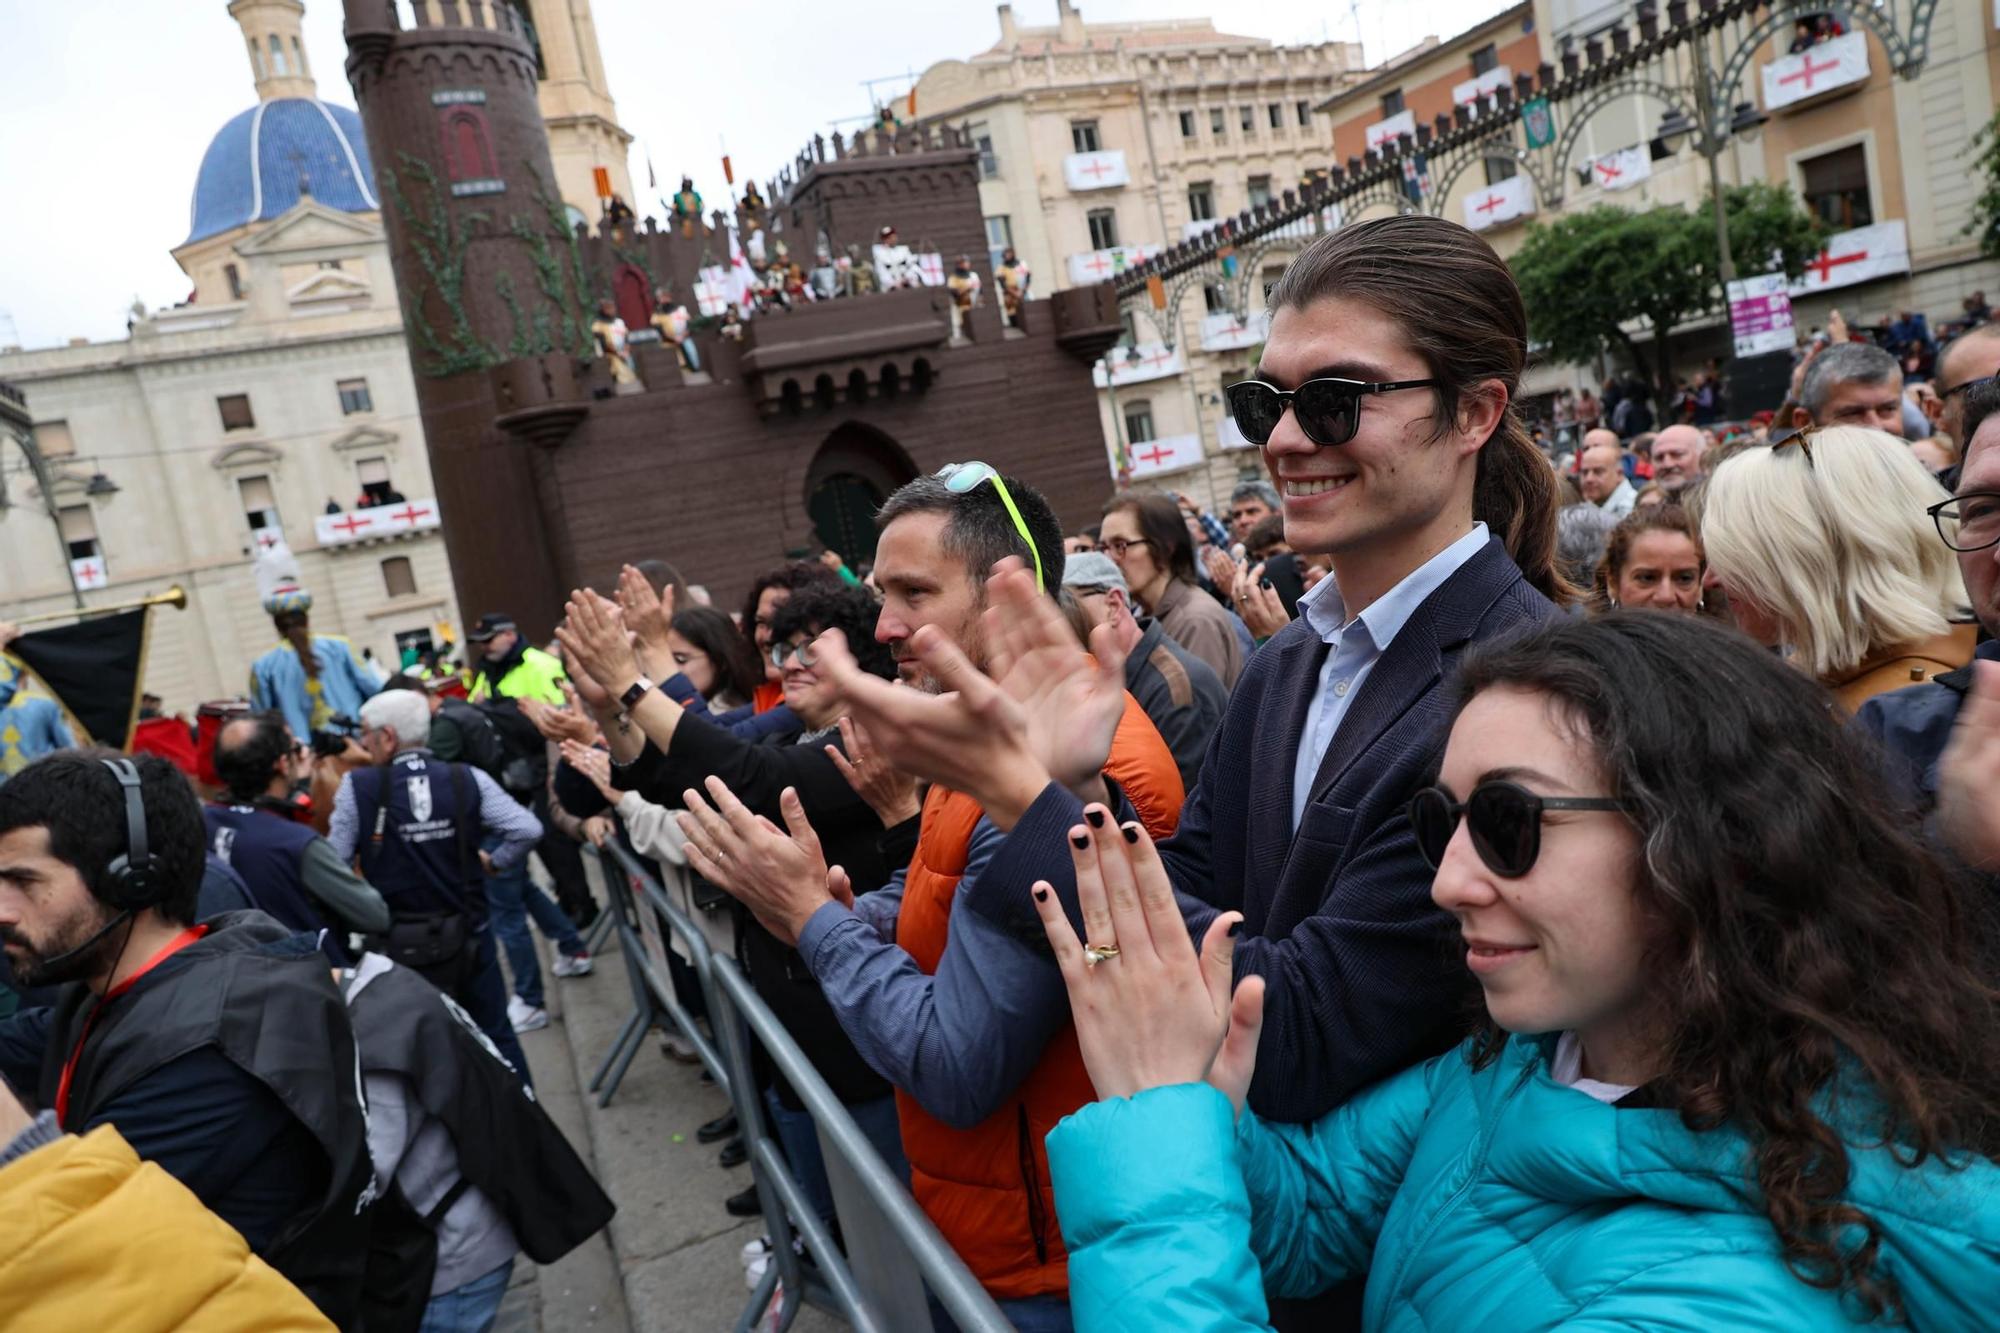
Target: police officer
x=258, y=829
x=416, y=824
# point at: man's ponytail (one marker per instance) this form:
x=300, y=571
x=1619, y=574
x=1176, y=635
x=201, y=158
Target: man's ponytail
x=1517, y=497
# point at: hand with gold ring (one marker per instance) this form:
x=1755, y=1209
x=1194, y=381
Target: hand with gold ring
x=1162, y=1014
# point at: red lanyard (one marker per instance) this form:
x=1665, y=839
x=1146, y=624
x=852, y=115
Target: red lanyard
x=173, y=946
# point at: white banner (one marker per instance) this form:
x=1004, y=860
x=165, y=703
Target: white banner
x=1388, y=131
x=1102, y=170
x=1228, y=436
x=1098, y=265
x=377, y=521
x=1861, y=255
x=1816, y=70
x=712, y=294
x=1224, y=332
x=1623, y=169
x=1153, y=362
x=89, y=573
x=1474, y=89
x=1499, y=204
x=1170, y=453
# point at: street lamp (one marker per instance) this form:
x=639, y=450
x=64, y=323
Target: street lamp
x=1709, y=137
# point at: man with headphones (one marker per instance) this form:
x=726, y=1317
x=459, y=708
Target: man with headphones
x=220, y=1051
x=258, y=829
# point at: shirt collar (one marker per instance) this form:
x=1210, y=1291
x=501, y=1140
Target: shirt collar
x=1387, y=614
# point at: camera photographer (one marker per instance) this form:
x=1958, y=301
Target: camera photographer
x=221, y=1052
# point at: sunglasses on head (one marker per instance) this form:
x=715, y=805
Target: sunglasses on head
x=1327, y=410
x=962, y=477
x=1505, y=820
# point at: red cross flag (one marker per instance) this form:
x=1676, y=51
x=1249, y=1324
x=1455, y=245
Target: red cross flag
x=1623, y=169
x=1170, y=453
x=1861, y=255
x=1496, y=205
x=90, y=573
x=1816, y=70
x=1102, y=170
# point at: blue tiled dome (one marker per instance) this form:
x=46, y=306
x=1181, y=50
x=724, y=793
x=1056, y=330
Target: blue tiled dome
x=253, y=166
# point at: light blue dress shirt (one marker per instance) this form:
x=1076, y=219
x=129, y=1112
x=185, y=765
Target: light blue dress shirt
x=1357, y=644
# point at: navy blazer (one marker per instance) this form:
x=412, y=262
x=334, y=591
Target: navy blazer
x=1364, y=974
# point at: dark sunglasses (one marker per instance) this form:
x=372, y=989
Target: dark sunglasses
x=1945, y=394
x=1328, y=410
x=1505, y=819
x=783, y=652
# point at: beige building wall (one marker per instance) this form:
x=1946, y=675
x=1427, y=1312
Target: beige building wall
x=577, y=107
x=143, y=413
x=1134, y=82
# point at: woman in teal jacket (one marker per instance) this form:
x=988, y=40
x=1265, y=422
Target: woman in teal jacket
x=1719, y=975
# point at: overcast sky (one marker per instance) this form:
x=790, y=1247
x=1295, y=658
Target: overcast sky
x=108, y=105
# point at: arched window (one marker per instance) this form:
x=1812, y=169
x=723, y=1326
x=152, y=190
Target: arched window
x=278, y=56
x=299, y=57
x=468, y=149
x=256, y=57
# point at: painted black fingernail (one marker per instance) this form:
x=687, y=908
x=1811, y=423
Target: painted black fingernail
x=1234, y=926
x=1131, y=832
x=1041, y=895
x=1096, y=818
x=1265, y=584
x=1080, y=840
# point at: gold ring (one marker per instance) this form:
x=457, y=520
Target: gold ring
x=1093, y=954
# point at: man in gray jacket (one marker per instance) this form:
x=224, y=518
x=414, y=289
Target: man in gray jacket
x=1181, y=693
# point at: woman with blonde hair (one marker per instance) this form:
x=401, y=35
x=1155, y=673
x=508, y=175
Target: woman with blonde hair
x=1821, y=543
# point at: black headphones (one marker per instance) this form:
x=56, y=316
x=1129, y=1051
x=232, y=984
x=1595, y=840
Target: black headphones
x=136, y=880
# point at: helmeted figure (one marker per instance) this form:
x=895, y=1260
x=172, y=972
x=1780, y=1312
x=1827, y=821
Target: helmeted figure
x=310, y=678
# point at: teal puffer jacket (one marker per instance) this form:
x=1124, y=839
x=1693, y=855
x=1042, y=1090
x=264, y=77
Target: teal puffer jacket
x=1498, y=1200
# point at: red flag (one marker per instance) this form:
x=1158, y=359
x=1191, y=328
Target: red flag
x=913, y=101
x=602, y=176
x=728, y=172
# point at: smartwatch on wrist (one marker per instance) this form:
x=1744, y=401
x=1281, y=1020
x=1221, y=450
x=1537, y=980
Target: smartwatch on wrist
x=634, y=692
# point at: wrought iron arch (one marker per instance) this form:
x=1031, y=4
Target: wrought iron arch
x=1494, y=150
x=1604, y=95
x=1383, y=193
x=1253, y=264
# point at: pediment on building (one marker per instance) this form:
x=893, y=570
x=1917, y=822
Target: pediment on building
x=250, y=453
x=329, y=284
x=365, y=437
x=310, y=225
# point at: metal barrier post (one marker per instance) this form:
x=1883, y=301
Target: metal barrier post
x=890, y=1233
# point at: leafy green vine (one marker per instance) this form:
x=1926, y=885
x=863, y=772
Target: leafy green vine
x=440, y=248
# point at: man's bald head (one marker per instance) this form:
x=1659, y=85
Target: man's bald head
x=1676, y=456
x=1600, y=468
x=1593, y=438
x=1972, y=355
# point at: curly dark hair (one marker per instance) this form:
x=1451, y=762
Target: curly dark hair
x=1813, y=948
x=737, y=670
x=816, y=609
x=798, y=574
x=81, y=804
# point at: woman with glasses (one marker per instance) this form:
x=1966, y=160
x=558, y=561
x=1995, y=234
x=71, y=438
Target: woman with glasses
x=1824, y=547
x=1732, y=1070
x=1147, y=537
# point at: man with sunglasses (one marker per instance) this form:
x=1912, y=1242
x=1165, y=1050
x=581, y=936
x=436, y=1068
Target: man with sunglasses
x=1916, y=724
x=966, y=1018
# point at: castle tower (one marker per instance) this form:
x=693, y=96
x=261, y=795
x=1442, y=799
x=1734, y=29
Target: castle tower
x=584, y=133
x=271, y=31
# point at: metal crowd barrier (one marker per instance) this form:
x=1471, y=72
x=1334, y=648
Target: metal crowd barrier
x=893, y=1252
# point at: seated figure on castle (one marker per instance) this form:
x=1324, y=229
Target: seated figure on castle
x=613, y=341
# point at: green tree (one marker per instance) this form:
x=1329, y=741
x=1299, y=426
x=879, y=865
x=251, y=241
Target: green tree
x=1986, y=209
x=1608, y=275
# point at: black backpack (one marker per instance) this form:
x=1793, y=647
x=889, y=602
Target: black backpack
x=481, y=742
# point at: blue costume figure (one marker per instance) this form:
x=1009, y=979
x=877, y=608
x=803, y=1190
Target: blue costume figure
x=310, y=678
x=31, y=724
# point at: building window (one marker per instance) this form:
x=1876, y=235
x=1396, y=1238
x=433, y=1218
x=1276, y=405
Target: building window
x=376, y=488
x=1272, y=273
x=1138, y=422
x=235, y=409
x=1214, y=298
x=1129, y=323
x=398, y=578
x=329, y=264
x=1485, y=60
x=1305, y=113
x=1103, y=228
x=1260, y=191
x=1276, y=114
x=260, y=506
x=278, y=56
x=1246, y=116
x=53, y=439
x=1836, y=187
x=1499, y=169
x=1187, y=125
x=1217, y=126
x=989, y=164
x=999, y=238
x=235, y=281
x=1392, y=103
x=1201, y=201
x=1083, y=134
x=79, y=532
x=354, y=397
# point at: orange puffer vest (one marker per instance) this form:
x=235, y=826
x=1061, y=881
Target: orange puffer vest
x=987, y=1188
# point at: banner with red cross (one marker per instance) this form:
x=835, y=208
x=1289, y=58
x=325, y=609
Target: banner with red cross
x=1623, y=169
x=1496, y=205
x=1861, y=255
x=1169, y=453
x=1815, y=71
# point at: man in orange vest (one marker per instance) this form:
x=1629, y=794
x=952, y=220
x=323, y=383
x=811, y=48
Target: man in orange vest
x=969, y=1022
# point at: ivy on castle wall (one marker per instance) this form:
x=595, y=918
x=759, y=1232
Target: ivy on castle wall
x=440, y=244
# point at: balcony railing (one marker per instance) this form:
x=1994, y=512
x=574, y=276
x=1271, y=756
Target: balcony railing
x=391, y=520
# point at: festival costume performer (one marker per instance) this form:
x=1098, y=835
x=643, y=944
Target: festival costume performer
x=310, y=678
x=614, y=340
x=687, y=206
x=670, y=317
x=1014, y=277
x=31, y=723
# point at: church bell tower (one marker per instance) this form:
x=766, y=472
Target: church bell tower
x=575, y=97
